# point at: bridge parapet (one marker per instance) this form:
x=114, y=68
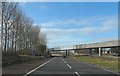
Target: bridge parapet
x=92, y=45
x=101, y=44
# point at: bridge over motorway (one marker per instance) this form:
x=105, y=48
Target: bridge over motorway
x=98, y=45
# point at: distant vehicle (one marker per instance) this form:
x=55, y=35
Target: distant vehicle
x=116, y=54
x=64, y=56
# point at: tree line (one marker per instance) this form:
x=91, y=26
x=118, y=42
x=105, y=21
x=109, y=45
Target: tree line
x=19, y=36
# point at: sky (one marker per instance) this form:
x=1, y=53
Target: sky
x=73, y=23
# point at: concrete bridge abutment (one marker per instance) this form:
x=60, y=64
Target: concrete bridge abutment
x=90, y=51
x=100, y=51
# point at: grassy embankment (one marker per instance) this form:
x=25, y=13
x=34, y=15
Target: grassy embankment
x=107, y=63
x=12, y=60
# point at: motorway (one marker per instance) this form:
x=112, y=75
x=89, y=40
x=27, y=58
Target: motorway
x=59, y=66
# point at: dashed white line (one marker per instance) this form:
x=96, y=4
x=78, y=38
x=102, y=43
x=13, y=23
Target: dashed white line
x=77, y=73
x=69, y=66
x=38, y=67
x=64, y=61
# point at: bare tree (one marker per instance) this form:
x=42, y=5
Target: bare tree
x=18, y=34
x=8, y=16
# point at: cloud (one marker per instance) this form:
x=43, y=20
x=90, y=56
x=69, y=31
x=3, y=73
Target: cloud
x=90, y=26
x=57, y=31
x=82, y=22
x=110, y=24
x=22, y=4
x=42, y=7
x=85, y=26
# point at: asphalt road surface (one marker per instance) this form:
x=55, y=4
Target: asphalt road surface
x=59, y=66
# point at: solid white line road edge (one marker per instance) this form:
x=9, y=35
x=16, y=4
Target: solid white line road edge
x=38, y=67
x=69, y=66
x=98, y=67
x=77, y=73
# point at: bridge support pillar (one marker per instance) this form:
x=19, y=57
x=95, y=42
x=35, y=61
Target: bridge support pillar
x=100, y=51
x=66, y=52
x=90, y=51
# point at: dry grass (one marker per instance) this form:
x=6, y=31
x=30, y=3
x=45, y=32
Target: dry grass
x=108, y=63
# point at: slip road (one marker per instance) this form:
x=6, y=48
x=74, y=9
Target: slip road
x=59, y=66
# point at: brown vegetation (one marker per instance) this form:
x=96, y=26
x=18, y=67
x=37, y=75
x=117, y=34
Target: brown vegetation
x=18, y=34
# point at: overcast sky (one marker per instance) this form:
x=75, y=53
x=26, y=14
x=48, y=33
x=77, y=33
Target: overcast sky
x=70, y=23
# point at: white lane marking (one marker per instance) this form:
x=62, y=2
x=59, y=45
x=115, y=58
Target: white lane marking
x=69, y=66
x=108, y=70
x=38, y=67
x=64, y=61
x=77, y=73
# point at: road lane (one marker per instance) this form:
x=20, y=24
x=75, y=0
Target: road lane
x=56, y=66
x=37, y=68
x=84, y=69
x=69, y=67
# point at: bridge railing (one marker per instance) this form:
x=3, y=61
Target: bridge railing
x=95, y=44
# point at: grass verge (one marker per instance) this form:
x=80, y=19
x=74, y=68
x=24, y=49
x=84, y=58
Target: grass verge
x=7, y=61
x=106, y=63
